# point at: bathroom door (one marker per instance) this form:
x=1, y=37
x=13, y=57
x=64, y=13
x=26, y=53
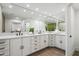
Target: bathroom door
x=70, y=24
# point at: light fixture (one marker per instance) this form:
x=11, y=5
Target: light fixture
x=45, y=12
x=24, y=10
x=17, y=17
x=40, y=15
x=50, y=14
x=10, y=6
x=27, y=5
x=32, y=12
x=63, y=9
x=36, y=9
x=44, y=16
x=54, y=16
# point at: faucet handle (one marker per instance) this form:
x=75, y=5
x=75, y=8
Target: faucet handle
x=21, y=33
x=16, y=34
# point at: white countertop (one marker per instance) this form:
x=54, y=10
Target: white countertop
x=14, y=37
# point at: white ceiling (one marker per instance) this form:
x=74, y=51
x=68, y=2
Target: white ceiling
x=76, y=6
x=50, y=8
x=55, y=9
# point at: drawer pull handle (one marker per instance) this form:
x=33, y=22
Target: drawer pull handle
x=45, y=41
x=22, y=47
x=61, y=42
x=35, y=41
x=35, y=48
x=2, y=54
x=2, y=48
x=2, y=42
x=35, y=44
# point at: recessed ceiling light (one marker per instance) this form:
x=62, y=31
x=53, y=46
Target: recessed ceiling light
x=32, y=12
x=27, y=5
x=50, y=14
x=40, y=15
x=54, y=16
x=17, y=17
x=10, y=6
x=63, y=9
x=36, y=9
x=45, y=12
x=44, y=16
x=24, y=10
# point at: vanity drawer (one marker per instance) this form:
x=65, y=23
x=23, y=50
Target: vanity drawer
x=4, y=50
x=35, y=37
x=4, y=53
x=35, y=48
x=35, y=45
x=35, y=41
x=4, y=42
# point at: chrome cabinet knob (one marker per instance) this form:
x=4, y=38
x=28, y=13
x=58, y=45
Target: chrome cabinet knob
x=61, y=42
x=70, y=36
x=45, y=41
x=22, y=47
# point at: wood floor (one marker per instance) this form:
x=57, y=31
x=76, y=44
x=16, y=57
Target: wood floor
x=76, y=53
x=49, y=52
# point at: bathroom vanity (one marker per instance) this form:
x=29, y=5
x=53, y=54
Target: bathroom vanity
x=28, y=44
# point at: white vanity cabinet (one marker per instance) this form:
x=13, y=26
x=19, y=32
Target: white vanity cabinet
x=20, y=46
x=4, y=47
x=43, y=41
x=35, y=44
x=15, y=47
x=39, y=42
x=26, y=45
x=26, y=42
x=60, y=41
x=52, y=38
x=46, y=41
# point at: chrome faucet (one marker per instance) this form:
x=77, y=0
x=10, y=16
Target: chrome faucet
x=19, y=33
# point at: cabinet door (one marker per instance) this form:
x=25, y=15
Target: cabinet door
x=64, y=42
x=15, y=45
x=43, y=41
x=58, y=42
x=27, y=46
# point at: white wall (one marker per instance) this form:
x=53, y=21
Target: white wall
x=74, y=41
x=70, y=29
x=76, y=31
x=0, y=19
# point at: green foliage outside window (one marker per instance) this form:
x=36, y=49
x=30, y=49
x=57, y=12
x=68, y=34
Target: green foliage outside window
x=31, y=30
x=51, y=27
